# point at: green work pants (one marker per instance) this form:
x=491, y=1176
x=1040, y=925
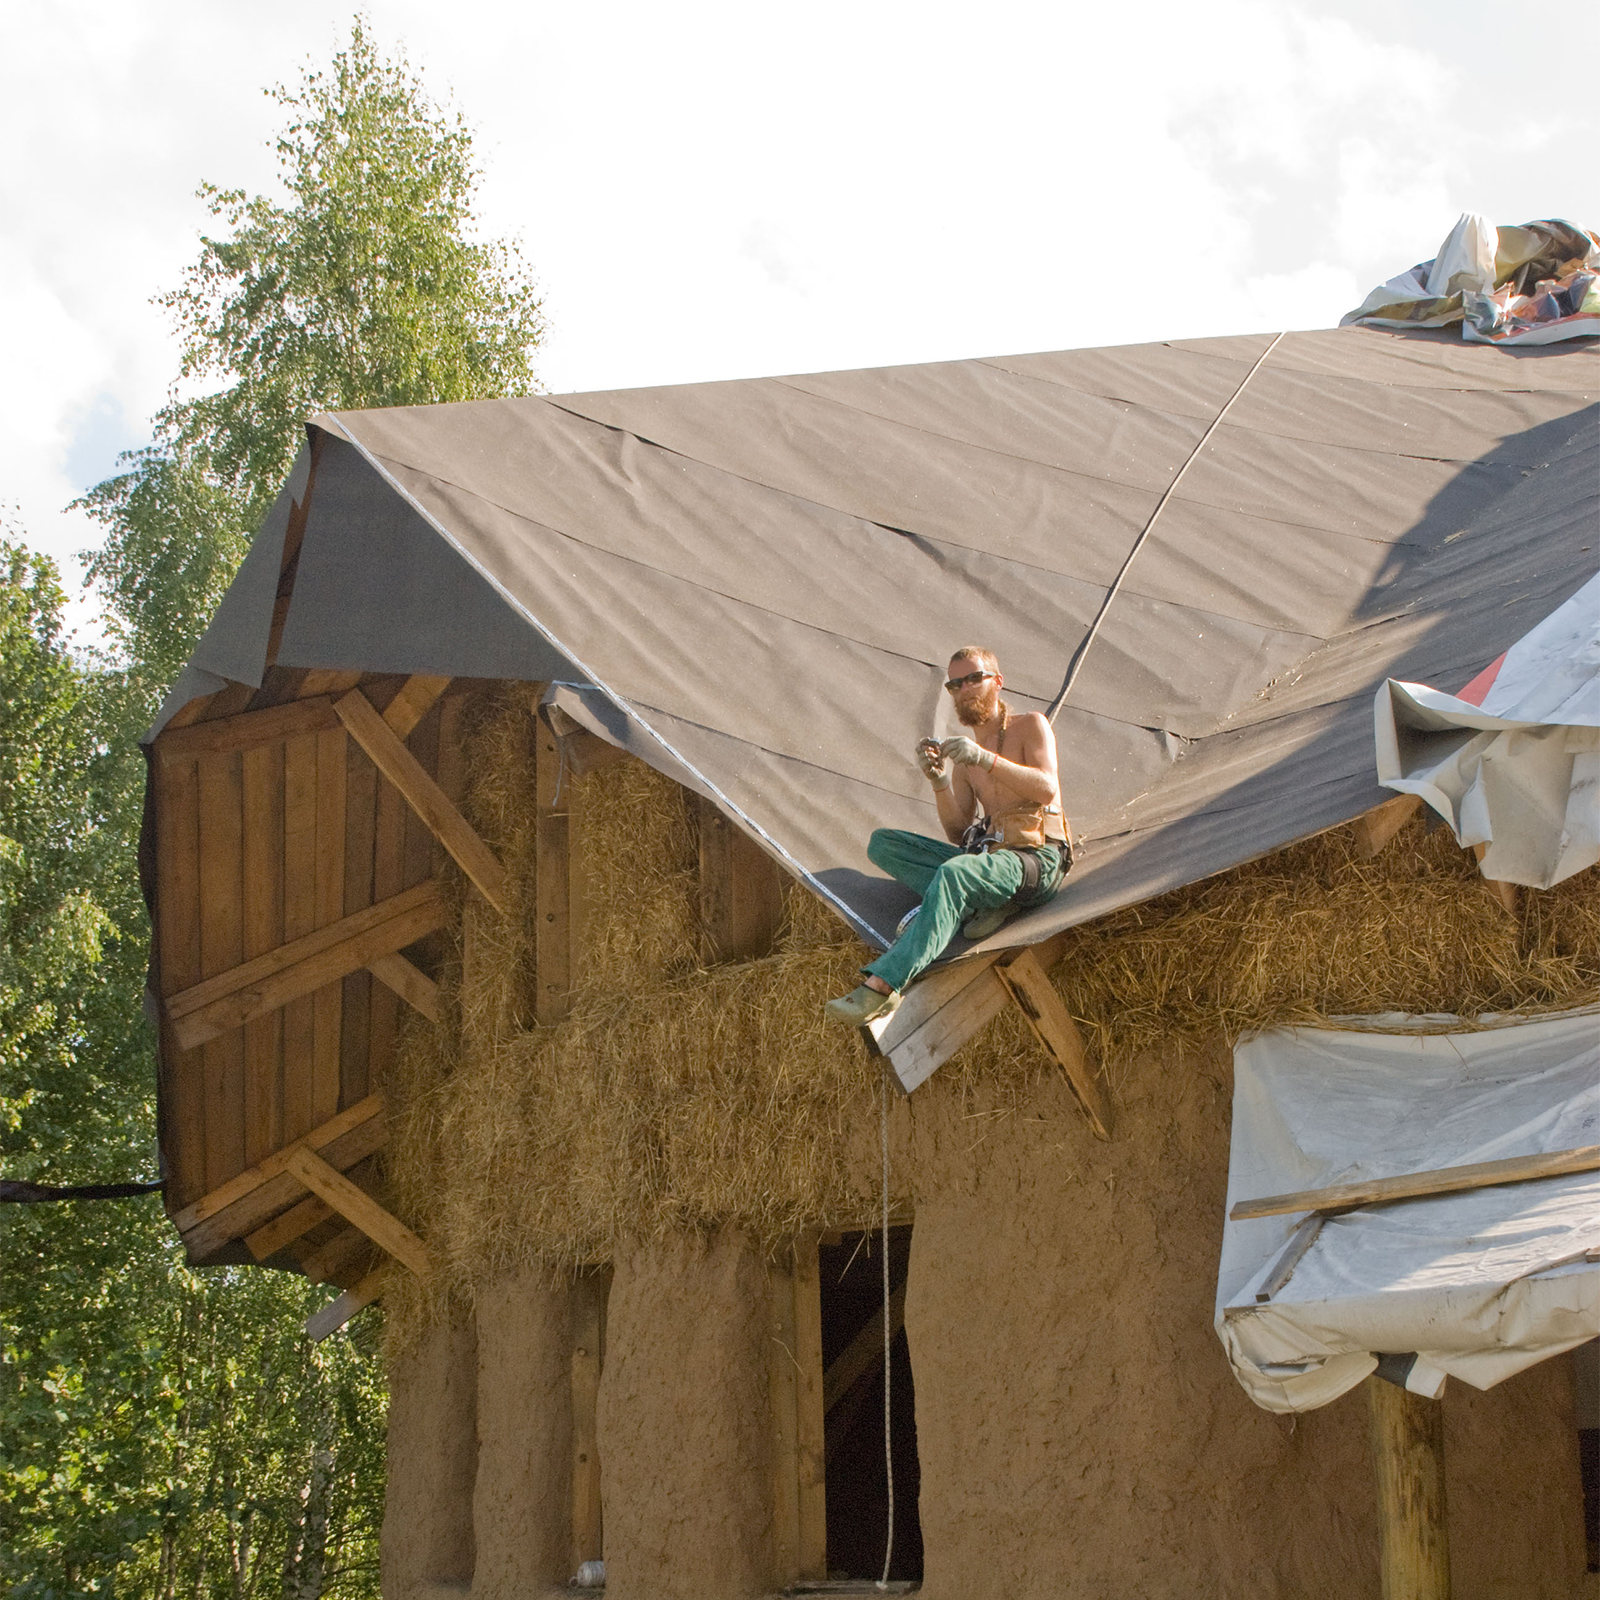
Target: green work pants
x=953, y=886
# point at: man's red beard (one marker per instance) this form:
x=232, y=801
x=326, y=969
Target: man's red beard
x=980, y=709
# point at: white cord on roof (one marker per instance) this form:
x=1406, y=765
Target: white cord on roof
x=1111, y=593
x=888, y=1438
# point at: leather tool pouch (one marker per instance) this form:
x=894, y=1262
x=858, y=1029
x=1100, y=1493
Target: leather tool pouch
x=1020, y=827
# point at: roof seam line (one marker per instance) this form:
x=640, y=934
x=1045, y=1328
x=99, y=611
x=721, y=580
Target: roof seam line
x=1138, y=544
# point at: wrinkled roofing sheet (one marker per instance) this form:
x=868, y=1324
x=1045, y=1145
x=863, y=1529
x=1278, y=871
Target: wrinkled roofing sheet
x=757, y=584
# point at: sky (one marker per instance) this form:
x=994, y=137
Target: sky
x=712, y=190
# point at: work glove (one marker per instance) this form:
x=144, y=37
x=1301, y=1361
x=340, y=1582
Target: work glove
x=931, y=759
x=967, y=752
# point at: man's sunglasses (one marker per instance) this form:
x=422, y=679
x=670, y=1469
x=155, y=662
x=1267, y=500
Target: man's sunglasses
x=956, y=684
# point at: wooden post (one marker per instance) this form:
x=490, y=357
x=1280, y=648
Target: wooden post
x=1408, y=1455
x=553, y=883
x=812, y=1448
x=794, y=1367
x=588, y=1356
x=741, y=892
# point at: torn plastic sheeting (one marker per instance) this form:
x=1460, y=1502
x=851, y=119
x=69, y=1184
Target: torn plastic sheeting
x=1534, y=284
x=1481, y=1284
x=1513, y=761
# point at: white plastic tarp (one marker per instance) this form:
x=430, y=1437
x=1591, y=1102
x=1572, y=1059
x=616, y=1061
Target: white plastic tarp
x=1512, y=762
x=1480, y=1284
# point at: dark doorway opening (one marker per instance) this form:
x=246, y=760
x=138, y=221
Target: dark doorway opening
x=851, y=1279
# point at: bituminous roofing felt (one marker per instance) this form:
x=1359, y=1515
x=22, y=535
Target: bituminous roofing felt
x=756, y=585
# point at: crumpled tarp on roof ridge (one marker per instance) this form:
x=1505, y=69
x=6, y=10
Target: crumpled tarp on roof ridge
x=755, y=585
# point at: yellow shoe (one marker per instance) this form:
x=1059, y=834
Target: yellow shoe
x=861, y=1006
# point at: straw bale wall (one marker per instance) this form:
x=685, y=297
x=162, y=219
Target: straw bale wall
x=675, y=1099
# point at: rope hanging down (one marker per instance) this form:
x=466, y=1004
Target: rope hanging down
x=1111, y=593
x=888, y=1438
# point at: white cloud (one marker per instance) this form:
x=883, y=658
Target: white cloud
x=718, y=189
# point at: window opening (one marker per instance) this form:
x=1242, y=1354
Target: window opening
x=851, y=1281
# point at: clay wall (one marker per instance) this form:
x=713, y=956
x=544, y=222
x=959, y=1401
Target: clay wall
x=1079, y=1431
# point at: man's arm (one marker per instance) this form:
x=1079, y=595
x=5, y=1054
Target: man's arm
x=952, y=793
x=1033, y=779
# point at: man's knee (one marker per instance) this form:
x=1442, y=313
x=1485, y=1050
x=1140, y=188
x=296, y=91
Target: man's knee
x=884, y=847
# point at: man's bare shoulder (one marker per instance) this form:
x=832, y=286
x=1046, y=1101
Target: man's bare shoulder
x=1033, y=726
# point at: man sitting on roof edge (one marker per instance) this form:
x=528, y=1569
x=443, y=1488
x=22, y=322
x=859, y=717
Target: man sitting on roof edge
x=999, y=801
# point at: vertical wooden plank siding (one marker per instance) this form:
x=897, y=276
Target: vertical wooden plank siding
x=263, y=779
x=327, y=1004
x=178, y=936
x=588, y=1301
x=553, y=884
x=300, y=800
x=360, y=832
x=221, y=947
x=809, y=1410
x=383, y=1004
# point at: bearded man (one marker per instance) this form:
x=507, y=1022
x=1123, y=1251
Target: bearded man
x=999, y=801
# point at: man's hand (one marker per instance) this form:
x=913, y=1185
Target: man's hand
x=931, y=759
x=967, y=752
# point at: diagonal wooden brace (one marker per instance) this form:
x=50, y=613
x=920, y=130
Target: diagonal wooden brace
x=232, y=998
x=424, y=796
x=1028, y=983
x=358, y=1207
x=336, y=1313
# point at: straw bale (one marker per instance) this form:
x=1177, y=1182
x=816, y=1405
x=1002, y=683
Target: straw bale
x=675, y=1099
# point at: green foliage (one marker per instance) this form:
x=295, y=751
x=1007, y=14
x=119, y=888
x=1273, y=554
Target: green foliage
x=369, y=287
x=166, y=1430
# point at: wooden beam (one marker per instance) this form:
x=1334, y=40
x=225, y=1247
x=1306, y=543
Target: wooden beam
x=588, y=1302
x=1408, y=1460
x=938, y=1015
x=1300, y=1241
x=943, y=1010
x=411, y=983
x=414, y=701
x=1508, y=896
x=336, y=1313
x=357, y=1206
x=1417, y=1185
x=325, y=1262
x=866, y=1349
x=425, y=797
x=231, y=998
x=246, y=731
x=240, y=1206
x=1375, y=828
x=1029, y=985
x=287, y=1226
